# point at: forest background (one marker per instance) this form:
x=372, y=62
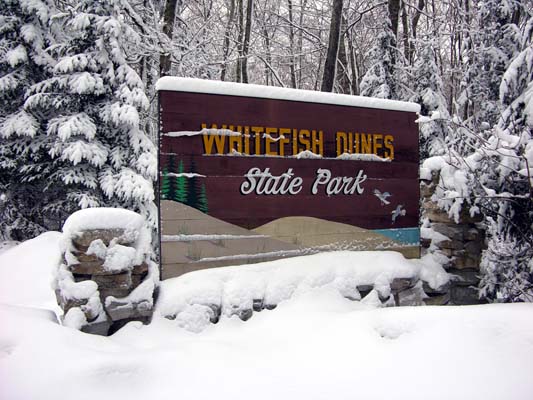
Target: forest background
x=78, y=115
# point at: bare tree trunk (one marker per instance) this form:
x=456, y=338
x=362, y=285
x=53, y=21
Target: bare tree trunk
x=394, y=13
x=343, y=77
x=240, y=40
x=246, y=44
x=414, y=24
x=303, y=5
x=268, y=72
x=169, y=15
x=328, y=78
x=405, y=33
x=225, y=46
x=291, y=45
x=353, y=66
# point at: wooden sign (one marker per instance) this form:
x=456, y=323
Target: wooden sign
x=251, y=173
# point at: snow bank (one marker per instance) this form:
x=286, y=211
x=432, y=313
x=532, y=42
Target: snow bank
x=239, y=289
x=272, y=92
x=315, y=346
x=27, y=270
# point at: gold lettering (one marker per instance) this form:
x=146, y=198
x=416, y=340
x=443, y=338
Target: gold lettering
x=208, y=140
x=318, y=142
x=269, y=141
x=389, y=139
x=303, y=137
x=247, y=140
x=366, y=143
x=378, y=145
x=283, y=140
x=235, y=140
x=294, y=142
x=340, y=139
x=257, y=130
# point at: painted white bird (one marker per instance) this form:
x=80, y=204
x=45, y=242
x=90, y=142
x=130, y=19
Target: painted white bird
x=399, y=211
x=382, y=196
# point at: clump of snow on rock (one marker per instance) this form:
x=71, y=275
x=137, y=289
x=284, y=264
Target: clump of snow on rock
x=116, y=256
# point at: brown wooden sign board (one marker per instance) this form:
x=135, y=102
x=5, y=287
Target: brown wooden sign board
x=250, y=174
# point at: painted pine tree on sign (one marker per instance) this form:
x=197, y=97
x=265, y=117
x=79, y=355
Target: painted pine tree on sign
x=181, y=192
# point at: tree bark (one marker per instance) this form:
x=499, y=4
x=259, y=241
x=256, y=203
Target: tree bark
x=328, y=78
x=394, y=13
x=291, y=45
x=225, y=46
x=246, y=44
x=169, y=15
x=240, y=40
x=405, y=33
x=343, y=76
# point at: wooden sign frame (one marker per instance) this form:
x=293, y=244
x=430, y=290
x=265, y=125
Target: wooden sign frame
x=251, y=173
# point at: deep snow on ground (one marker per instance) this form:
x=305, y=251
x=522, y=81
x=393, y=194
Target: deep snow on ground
x=315, y=345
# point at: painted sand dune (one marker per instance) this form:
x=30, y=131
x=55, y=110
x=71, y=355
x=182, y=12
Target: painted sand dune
x=313, y=232
x=192, y=240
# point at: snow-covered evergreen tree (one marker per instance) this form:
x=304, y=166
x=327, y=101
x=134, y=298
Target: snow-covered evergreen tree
x=380, y=80
x=93, y=101
x=491, y=46
x=26, y=207
x=428, y=92
x=507, y=264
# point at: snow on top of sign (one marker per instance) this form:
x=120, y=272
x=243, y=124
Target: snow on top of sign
x=186, y=175
x=306, y=154
x=204, y=131
x=362, y=157
x=272, y=92
x=200, y=237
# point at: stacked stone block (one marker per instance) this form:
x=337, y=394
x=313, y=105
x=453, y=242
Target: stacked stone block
x=104, y=282
x=464, y=244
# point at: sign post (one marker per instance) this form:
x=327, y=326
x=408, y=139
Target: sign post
x=251, y=173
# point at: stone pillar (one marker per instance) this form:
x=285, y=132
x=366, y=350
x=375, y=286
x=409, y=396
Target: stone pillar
x=107, y=278
x=462, y=242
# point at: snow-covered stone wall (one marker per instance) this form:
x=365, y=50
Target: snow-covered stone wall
x=106, y=278
x=460, y=241
x=377, y=279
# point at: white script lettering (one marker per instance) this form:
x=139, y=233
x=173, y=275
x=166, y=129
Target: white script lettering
x=338, y=184
x=262, y=182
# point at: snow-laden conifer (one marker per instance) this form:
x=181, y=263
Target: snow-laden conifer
x=492, y=44
x=94, y=98
x=428, y=92
x=25, y=205
x=379, y=80
x=508, y=162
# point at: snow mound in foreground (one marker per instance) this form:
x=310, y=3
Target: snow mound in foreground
x=27, y=270
x=196, y=298
x=315, y=346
